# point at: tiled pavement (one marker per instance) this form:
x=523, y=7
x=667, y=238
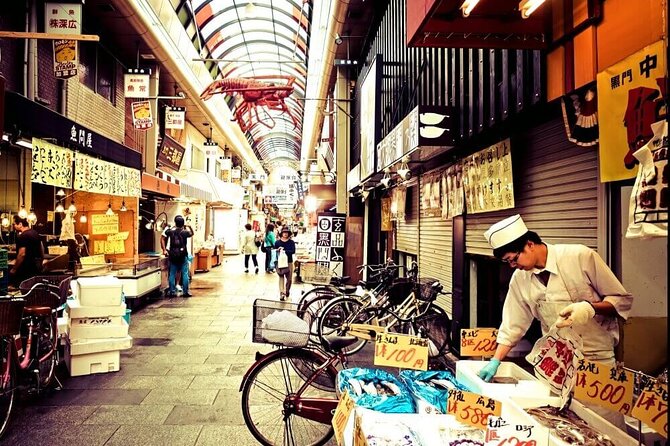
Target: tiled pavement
x=178, y=384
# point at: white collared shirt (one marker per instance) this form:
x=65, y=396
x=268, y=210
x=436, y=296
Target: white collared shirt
x=577, y=268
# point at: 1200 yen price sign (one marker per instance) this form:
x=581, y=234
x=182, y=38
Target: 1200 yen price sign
x=403, y=351
x=478, y=341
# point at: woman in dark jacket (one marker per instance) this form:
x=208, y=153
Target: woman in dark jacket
x=287, y=246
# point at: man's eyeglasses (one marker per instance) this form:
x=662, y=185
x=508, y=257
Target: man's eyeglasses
x=513, y=259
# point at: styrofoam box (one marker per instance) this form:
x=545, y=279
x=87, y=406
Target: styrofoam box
x=101, y=362
x=76, y=310
x=88, y=346
x=118, y=329
x=649, y=436
x=513, y=409
x=527, y=384
x=99, y=291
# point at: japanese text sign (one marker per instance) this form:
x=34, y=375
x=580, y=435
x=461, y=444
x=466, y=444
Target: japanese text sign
x=102, y=177
x=175, y=117
x=471, y=408
x=171, y=153
x=330, y=237
x=142, y=117
x=500, y=432
x=629, y=101
x=344, y=408
x=403, y=351
x=605, y=386
x=104, y=224
x=136, y=85
x=652, y=408
x=478, y=341
x=51, y=164
x=487, y=179
x=63, y=18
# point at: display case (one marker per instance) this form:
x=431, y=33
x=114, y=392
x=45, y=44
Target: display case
x=139, y=277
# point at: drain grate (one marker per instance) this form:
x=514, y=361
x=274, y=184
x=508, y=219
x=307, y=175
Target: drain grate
x=151, y=341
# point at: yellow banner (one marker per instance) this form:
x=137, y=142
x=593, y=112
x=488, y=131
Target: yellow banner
x=387, y=224
x=629, y=101
x=52, y=164
x=104, y=224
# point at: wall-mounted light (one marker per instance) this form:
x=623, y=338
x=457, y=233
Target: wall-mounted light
x=468, y=6
x=338, y=39
x=387, y=178
x=404, y=171
x=527, y=7
x=22, y=212
x=60, y=193
x=149, y=225
x=364, y=195
x=109, y=211
x=60, y=207
x=123, y=206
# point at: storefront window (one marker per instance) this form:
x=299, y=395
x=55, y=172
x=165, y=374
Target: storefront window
x=97, y=70
x=197, y=158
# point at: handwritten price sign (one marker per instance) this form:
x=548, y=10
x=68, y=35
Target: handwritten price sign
x=652, y=408
x=499, y=432
x=403, y=351
x=605, y=386
x=472, y=409
x=478, y=341
x=344, y=408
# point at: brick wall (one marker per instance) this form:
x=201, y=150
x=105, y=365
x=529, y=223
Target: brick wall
x=47, y=84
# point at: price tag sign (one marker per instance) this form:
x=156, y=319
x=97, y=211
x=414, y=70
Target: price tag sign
x=342, y=411
x=652, y=408
x=403, y=351
x=471, y=408
x=500, y=432
x=478, y=341
x=605, y=386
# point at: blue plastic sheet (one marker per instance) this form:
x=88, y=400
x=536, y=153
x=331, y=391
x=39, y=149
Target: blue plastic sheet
x=401, y=403
x=417, y=382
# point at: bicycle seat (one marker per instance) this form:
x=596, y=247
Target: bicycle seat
x=347, y=289
x=339, y=280
x=37, y=311
x=335, y=343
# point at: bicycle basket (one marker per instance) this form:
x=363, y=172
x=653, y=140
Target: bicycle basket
x=41, y=296
x=56, y=281
x=277, y=322
x=425, y=290
x=400, y=290
x=315, y=273
x=11, y=311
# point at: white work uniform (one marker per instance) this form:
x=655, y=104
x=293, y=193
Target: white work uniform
x=577, y=274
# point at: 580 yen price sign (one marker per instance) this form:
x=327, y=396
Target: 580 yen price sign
x=403, y=351
x=478, y=341
x=605, y=386
x=471, y=408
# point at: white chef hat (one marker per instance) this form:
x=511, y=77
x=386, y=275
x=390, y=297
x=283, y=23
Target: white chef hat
x=505, y=231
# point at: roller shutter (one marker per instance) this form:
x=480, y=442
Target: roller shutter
x=407, y=232
x=555, y=190
x=435, y=246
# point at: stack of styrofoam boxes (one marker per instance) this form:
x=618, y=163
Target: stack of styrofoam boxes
x=97, y=329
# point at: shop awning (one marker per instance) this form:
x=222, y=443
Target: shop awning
x=220, y=193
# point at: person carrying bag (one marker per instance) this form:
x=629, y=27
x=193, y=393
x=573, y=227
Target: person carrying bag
x=285, y=248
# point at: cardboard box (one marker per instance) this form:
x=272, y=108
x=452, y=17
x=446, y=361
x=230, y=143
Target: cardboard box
x=99, y=291
x=527, y=384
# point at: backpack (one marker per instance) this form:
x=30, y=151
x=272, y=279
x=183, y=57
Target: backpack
x=177, y=250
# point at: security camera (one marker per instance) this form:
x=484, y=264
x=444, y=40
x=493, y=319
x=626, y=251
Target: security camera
x=405, y=174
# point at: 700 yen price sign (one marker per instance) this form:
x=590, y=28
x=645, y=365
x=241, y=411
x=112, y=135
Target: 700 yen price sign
x=478, y=341
x=403, y=351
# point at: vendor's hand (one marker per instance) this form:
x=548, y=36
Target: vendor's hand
x=575, y=314
x=489, y=370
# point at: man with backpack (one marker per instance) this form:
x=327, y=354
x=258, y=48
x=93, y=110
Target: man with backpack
x=177, y=254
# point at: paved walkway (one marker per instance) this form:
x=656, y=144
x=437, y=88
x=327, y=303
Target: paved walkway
x=179, y=383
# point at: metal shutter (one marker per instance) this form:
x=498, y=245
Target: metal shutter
x=435, y=252
x=407, y=232
x=555, y=190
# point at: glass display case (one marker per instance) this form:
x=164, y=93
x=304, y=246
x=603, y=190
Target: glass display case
x=130, y=267
x=139, y=277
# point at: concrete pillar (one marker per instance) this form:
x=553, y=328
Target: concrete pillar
x=151, y=136
x=342, y=136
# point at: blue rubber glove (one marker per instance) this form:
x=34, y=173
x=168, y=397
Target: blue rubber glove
x=489, y=370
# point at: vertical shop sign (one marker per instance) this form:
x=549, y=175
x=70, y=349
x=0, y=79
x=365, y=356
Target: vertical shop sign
x=136, y=83
x=63, y=18
x=51, y=164
x=631, y=97
x=387, y=224
x=452, y=187
x=142, y=118
x=170, y=153
x=487, y=179
x=369, y=113
x=430, y=195
x=330, y=233
x=174, y=117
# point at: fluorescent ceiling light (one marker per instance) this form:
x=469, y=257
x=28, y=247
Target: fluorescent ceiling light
x=527, y=7
x=468, y=6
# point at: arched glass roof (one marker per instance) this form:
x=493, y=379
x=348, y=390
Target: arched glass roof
x=266, y=40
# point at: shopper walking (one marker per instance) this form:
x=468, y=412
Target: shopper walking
x=268, y=245
x=249, y=248
x=174, y=247
x=285, y=250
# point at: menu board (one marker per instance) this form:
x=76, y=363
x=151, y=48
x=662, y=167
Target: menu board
x=330, y=233
x=487, y=179
x=102, y=177
x=452, y=191
x=51, y=164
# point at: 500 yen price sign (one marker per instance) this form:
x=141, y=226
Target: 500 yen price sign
x=478, y=341
x=605, y=386
x=403, y=351
x=471, y=408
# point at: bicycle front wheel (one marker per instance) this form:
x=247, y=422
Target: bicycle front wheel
x=435, y=326
x=310, y=306
x=7, y=385
x=269, y=397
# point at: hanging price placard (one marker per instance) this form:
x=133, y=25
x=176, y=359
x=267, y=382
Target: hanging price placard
x=344, y=408
x=471, y=408
x=605, y=386
x=652, y=408
x=478, y=341
x=403, y=351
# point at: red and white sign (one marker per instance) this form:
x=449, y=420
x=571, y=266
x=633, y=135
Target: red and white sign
x=63, y=18
x=142, y=118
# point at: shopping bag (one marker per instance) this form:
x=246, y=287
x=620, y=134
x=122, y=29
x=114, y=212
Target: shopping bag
x=282, y=260
x=285, y=328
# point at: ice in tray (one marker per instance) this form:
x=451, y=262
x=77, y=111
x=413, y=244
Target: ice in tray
x=509, y=380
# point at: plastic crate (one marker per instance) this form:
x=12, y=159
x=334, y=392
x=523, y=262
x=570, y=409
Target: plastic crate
x=289, y=332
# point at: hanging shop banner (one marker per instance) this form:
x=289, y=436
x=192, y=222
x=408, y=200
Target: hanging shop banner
x=142, y=118
x=63, y=18
x=102, y=177
x=175, y=117
x=136, y=83
x=452, y=187
x=398, y=199
x=170, y=153
x=487, y=179
x=330, y=231
x=430, y=195
x=387, y=224
x=369, y=117
x=580, y=116
x=630, y=99
x=51, y=164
